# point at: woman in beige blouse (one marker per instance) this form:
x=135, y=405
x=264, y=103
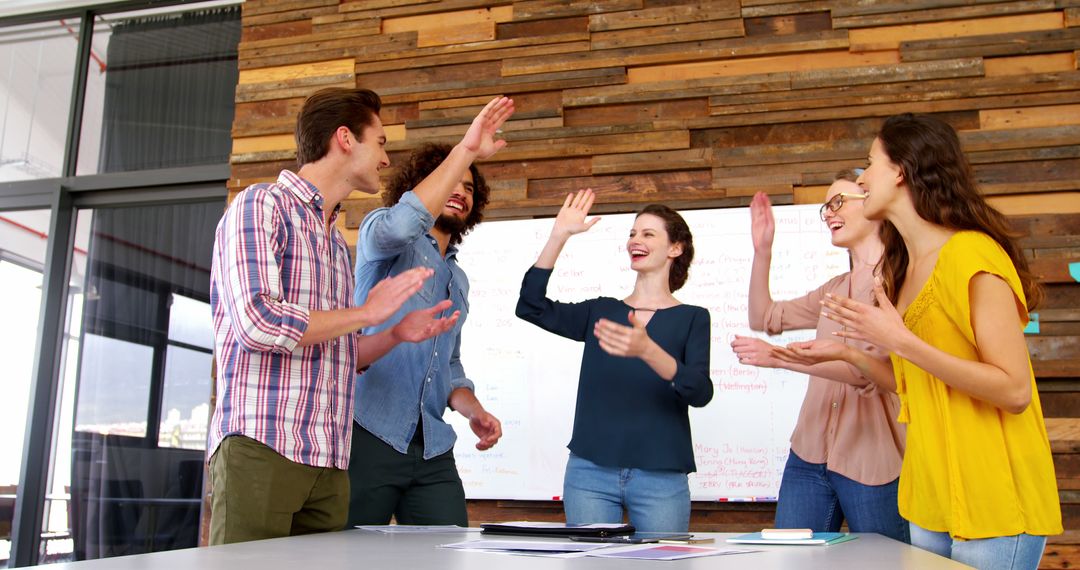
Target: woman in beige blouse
x=847, y=446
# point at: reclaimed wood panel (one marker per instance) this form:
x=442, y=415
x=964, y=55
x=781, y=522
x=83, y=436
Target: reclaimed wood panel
x=890, y=37
x=865, y=15
x=665, y=15
x=537, y=28
x=788, y=24
x=680, y=52
x=1025, y=117
x=544, y=9
x=764, y=64
x=667, y=34
x=1019, y=43
x=1029, y=64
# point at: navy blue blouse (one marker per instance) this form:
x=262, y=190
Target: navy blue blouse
x=627, y=415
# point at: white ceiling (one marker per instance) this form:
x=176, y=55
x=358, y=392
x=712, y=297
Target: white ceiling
x=16, y=7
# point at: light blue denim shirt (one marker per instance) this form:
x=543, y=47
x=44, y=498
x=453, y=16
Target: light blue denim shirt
x=414, y=379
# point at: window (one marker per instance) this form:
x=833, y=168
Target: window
x=37, y=69
x=133, y=375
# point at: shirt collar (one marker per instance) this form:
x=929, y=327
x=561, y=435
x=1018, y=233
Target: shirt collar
x=304, y=190
x=451, y=250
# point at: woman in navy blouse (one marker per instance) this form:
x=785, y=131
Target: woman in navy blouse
x=646, y=360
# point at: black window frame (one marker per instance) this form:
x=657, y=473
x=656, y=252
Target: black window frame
x=63, y=196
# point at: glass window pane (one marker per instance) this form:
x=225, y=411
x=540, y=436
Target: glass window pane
x=20, y=289
x=22, y=249
x=160, y=89
x=191, y=322
x=128, y=457
x=37, y=68
x=114, y=386
x=185, y=401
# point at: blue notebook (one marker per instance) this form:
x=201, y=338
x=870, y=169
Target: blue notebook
x=819, y=539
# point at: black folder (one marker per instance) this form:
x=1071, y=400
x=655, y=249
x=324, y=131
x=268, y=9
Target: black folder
x=525, y=528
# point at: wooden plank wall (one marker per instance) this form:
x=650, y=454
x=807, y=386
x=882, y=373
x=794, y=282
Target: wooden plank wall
x=701, y=103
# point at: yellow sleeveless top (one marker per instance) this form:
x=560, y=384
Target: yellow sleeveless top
x=971, y=469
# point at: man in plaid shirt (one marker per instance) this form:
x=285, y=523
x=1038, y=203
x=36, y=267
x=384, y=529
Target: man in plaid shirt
x=286, y=330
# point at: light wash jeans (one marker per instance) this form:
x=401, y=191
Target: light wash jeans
x=1019, y=552
x=813, y=497
x=657, y=500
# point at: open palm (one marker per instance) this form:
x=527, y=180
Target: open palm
x=480, y=138
x=762, y=224
x=571, y=218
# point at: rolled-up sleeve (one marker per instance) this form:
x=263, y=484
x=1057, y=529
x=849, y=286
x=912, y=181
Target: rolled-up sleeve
x=692, y=381
x=458, y=379
x=801, y=312
x=386, y=232
x=249, y=249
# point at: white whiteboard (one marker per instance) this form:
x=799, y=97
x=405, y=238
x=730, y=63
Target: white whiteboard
x=527, y=377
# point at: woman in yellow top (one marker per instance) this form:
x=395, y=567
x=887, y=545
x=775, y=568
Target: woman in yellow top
x=977, y=482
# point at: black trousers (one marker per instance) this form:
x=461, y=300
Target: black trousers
x=412, y=490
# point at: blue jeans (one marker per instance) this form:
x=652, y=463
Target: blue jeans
x=1019, y=552
x=813, y=497
x=657, y=500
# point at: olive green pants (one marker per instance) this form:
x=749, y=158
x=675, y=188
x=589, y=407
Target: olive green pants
x=259, y=494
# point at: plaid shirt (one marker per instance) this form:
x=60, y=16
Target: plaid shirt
x=274, y=262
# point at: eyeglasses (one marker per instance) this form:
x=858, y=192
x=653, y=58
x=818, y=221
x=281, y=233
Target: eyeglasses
x=837, y=202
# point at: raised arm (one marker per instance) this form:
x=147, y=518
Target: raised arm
x=570, y=320
x=569, y=221
x=478, y=143
x=762, y=229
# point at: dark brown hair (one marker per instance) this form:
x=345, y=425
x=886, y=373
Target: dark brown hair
x=678, y=232
x=325, y=111
x=422, y=162
x=943, y=190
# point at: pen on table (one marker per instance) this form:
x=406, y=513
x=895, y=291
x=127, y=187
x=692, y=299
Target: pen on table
x=692, y=540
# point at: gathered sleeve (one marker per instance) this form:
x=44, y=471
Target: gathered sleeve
x=801, y=312
x=386, y=232
x=692, y=381
x=249, y=247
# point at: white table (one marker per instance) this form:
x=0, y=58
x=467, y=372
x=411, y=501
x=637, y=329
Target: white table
x=365, y=550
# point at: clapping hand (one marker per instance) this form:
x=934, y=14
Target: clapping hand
x=810, y=352
x=621, y=340
x=387, y=296
x=423, y=324
x=881, y=325
x=754, y=352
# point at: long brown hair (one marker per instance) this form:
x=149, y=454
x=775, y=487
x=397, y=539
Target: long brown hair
x=943, y=190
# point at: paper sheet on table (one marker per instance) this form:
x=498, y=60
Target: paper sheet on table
x=665, y=552
x=415, y=529
x=561, y=549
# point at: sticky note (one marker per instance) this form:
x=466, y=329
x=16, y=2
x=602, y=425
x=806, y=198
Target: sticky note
x=1074, y=270
x=1033, y=324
